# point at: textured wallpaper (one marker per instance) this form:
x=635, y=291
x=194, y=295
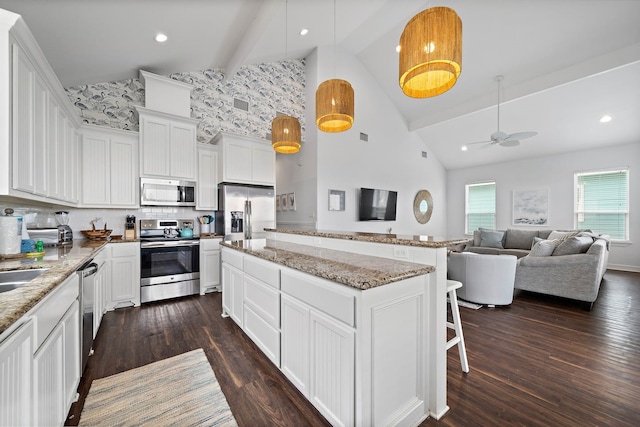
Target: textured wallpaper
x=266, y=88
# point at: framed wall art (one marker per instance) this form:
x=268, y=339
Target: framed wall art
x=291, y=201
x=531, y=207
x=336, y=200
x=283, y=202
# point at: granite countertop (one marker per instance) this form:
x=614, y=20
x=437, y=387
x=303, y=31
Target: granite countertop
x=61, y=261
x=354, y=270
x=393, y=239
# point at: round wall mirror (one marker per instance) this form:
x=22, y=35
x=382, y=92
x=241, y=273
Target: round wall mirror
x=423, y=206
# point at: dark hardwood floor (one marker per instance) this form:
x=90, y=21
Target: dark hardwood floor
x=542, y=361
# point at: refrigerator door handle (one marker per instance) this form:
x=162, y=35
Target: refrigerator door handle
x=247, y=221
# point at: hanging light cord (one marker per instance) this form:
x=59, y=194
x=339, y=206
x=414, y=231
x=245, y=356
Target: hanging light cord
x=286, y=20
x=499, y=79
x=334, y=38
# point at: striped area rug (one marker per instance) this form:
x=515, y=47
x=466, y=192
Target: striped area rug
x=179, y=391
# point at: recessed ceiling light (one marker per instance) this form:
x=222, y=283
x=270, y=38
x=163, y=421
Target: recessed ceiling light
x=606, y=118
x=464, y=148
x=161, y=38
x=304, y=31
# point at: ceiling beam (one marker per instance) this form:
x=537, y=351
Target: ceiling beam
x=258, y=25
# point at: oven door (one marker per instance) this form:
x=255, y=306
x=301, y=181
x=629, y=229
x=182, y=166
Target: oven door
x=162, y=262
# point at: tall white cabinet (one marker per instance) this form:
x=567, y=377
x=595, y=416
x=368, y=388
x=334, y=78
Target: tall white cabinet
x=38, y=158
x=207, y=197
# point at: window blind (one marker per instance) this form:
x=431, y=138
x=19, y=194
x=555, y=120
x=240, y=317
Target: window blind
x=602, y=202
x=480, y=206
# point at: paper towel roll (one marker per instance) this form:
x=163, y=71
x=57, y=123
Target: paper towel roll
x=10, y=235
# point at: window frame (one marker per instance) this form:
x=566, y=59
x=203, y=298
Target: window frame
x=576, y=192
x=466, y=203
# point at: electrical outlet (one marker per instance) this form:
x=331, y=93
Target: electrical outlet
x=400, y=252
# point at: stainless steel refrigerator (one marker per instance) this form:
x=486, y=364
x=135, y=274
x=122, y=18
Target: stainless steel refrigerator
x=244, y=211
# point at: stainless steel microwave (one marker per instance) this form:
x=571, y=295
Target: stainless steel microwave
x=166, y=192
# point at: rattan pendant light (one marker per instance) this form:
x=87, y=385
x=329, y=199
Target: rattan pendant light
x=430, y=53
x=285, y=130
x=334, y=98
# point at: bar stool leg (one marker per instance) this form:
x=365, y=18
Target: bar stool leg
x=452, y=285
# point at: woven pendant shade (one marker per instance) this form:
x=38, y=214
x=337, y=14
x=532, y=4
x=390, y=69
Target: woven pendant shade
x=334, y=105
x=430, y=53
x=285, y=134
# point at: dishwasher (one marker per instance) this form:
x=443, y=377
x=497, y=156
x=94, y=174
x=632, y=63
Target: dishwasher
x=87, y=275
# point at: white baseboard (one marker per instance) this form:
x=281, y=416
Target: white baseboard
x=621, y=267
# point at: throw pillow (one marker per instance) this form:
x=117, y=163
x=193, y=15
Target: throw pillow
x=476, y=238
x=543, y=247
x=519, y=239
x=491, y=239
x=573, y=245
x=557, y=234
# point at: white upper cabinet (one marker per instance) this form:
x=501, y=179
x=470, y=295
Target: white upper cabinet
x=38, y=158
x=207, y=178
x=109, y=168
x=246, y=160
x=167, y=145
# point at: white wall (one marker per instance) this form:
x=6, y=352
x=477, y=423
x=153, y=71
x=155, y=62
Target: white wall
x=391, y=159
x=556, y=174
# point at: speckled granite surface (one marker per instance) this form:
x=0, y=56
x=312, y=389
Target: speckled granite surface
x=61, y=262
x=354, y=270
x=393, y=239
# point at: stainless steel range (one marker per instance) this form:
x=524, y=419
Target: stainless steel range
x=169, y=263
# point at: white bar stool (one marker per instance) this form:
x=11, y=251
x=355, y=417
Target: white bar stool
x=456, y=325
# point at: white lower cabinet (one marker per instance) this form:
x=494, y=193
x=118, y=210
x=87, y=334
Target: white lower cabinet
x=232, y=300
x=72, y=374
x=48, y=369
x=295, y=343
x=16, y=365
x=100, y=290
x=209, y=265
x=124, y=265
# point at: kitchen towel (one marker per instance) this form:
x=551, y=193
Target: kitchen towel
x=10, y=235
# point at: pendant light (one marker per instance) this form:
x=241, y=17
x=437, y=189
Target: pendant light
x=430, y=53
x=334, y=98
x=285, y=130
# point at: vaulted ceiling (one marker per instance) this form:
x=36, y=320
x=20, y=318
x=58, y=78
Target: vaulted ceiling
x=565, y=62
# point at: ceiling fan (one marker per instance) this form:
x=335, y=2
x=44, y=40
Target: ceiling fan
x=501, y=138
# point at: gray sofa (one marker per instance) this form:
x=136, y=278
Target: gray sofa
x=573, y=270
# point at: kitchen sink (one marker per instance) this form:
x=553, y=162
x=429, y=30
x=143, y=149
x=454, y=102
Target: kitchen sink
x=10, y=280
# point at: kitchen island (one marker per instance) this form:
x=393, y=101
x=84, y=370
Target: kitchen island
x=354, y=333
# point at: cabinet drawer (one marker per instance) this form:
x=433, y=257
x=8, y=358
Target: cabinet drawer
x=263, y=299
x=320, y=294
x=232, y=257
x=125, y=249
x=266, y=337
x=210, y=244
x=49, y=312
x=267, y=272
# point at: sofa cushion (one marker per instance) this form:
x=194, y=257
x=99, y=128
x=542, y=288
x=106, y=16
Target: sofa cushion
x=518, y=253
x=544, y=247
x=491, y=239
x=519, y=239
x=484, y=251
x=573, y=245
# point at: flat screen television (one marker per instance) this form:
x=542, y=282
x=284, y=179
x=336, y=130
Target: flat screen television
x=377, y=205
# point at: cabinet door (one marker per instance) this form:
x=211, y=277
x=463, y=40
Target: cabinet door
x=54, y=155
x=62, y=157
x=40, y=137
x=125, y=275
x=332, y=378
x=294, y=357
x=183, y=151
x=232, y=297
x=155, y=150
x=71, y=324
x=123, y=173
x=209, y=271
x=71, y=163
x=95, y=166
x=207, y=180
x=48, y=385
x=23, y=121
x=16, y=353
x=237, y=161
x=263, y=162
x=99, y=296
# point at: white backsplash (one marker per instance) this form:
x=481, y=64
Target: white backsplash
x=80, y=219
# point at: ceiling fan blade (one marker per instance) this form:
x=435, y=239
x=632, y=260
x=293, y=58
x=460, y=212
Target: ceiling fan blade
x=520, y=135
x=478, y=142
x=499, y=136
x=509, y=143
